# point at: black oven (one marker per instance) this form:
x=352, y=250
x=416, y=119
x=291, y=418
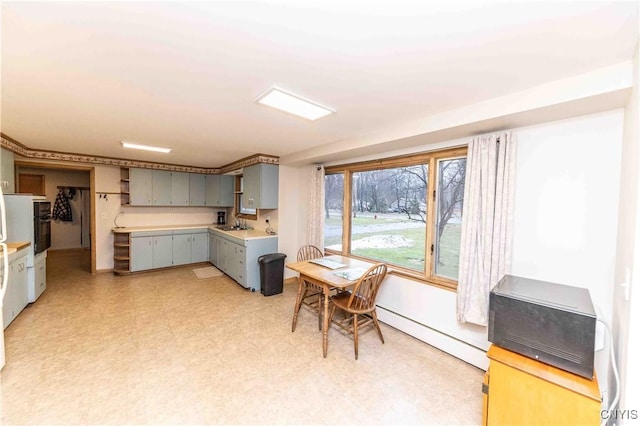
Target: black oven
x=41, y=226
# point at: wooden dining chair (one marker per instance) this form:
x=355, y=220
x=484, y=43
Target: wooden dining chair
x=359, y=304
x=308, y=293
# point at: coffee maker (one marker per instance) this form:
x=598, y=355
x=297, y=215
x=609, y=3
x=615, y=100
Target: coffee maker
x=222, y=218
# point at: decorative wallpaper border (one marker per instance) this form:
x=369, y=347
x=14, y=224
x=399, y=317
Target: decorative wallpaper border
x=20, y=149
x=249, y=161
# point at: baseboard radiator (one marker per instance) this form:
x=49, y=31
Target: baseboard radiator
x=446, y=343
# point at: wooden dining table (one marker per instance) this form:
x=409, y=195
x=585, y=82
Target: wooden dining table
x=326, y=279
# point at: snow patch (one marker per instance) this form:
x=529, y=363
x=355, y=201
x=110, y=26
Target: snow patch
x=377, y=241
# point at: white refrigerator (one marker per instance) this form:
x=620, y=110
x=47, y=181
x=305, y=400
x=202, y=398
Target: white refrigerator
x=5, y=270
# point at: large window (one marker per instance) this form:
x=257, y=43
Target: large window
x=404, y=211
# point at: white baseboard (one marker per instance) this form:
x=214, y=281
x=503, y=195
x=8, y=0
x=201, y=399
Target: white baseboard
x=455, y=347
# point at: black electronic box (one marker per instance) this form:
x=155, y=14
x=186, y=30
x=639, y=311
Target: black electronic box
x=552, y=323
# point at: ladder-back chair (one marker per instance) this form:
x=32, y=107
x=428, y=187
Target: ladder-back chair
x=308, y=293
x=359, y=304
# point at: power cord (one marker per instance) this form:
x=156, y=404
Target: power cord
x=616, y=376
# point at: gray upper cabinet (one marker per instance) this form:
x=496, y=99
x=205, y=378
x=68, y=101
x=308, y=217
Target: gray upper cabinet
x=179, y=189
x=140, y=184
x=161, y=188
x=164, y=188
x=7, y=173
x=196, y=189
x=219, y=190
x=260, y=186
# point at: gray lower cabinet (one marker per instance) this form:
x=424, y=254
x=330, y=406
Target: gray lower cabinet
x=200, y=247
x=16, y=296
x=238, y=258
x=150, y=250
x=37, y=274
x=181, y=249
x=222, y=254
x=141, y=253
x=213, y=251
x=190, y=246
x=235, y=262
x=219, y=257
x=160, y=249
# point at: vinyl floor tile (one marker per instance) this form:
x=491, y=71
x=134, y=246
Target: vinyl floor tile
x=166, y=348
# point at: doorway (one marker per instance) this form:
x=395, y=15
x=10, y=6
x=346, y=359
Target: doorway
x=70, y=189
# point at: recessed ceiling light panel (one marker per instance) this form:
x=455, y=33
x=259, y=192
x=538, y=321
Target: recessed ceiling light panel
x=145, y=147
x=293, y=104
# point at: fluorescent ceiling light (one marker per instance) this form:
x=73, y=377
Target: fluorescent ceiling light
x=293, y=104
x=145, y=147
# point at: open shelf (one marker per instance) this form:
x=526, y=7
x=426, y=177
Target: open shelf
x=124, y=186
x=121, y=253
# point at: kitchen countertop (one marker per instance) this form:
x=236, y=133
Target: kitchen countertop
x=15, y=247
x=247, y=234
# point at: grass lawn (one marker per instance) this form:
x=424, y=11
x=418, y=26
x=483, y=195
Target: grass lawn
x=412, y=257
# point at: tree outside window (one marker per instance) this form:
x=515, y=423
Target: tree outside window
x=404, y=211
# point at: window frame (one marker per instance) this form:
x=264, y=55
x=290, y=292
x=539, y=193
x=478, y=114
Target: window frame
x=238, y=201
x=431, y=158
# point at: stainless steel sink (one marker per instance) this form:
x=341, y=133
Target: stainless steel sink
x=229, y=228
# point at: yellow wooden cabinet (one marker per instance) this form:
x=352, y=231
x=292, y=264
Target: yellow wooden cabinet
x=522, y=391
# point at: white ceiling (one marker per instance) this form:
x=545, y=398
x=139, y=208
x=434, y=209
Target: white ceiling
x=82, y=76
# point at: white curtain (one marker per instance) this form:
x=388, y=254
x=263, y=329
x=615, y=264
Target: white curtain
x=485, y=246
x=315, y=222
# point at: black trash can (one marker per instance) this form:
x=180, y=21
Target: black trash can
x=271, y=273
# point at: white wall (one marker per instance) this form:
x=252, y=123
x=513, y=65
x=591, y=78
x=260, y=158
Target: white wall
x=292, y=212
x=565, y=218
x=625, y=321
x=566, y=211
x=566, y=208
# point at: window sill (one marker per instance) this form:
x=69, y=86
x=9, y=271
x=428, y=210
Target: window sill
x=436, y=282
x=247, y=216
x=443, y=283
